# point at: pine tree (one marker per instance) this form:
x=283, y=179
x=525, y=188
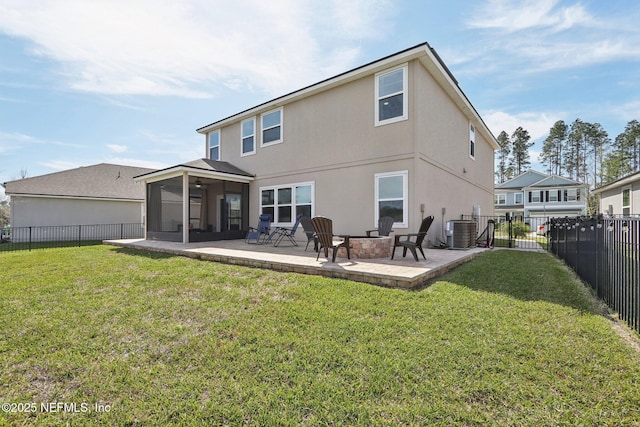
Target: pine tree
x=504, y=172
x=520, y=150
x=552, y=147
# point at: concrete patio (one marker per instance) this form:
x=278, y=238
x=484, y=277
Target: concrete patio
x=401, y=272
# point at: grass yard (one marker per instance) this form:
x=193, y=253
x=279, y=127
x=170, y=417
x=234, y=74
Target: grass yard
x=508, y=339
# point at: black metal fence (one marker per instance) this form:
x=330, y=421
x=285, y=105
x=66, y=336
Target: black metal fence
x=604, y=253
x=38, y=237
x=515, y=231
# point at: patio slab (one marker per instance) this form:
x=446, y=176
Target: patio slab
x=401, y=272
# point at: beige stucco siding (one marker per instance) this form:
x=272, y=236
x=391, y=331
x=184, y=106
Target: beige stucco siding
x=344, y=194
x=323, y=131
x=41, y=211
x=331, y=139
x=613, y=197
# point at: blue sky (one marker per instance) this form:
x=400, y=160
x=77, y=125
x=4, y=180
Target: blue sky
x=129, y=81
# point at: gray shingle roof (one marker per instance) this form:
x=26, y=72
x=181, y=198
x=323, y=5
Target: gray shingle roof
x=97, y=181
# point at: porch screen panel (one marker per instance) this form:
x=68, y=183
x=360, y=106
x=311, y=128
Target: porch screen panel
x=165, y=206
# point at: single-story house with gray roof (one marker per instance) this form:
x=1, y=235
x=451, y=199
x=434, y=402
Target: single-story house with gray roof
x=98, y=194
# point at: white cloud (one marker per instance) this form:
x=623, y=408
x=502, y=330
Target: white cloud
x=537, y=124
x=117, y=148
x=510, y=16
x=194, y=48
x=544, y=35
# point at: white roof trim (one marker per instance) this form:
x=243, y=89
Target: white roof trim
x=179, y=171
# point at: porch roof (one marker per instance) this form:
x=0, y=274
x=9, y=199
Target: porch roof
x=204, y=168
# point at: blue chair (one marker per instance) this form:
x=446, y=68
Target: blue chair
x=261, y=234
x=290, y=233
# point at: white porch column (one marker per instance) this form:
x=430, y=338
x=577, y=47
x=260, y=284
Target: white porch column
x=185, y=207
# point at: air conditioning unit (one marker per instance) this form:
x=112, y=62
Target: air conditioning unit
x=462, y=234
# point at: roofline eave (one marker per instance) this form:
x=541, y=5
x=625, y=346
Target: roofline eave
x=202, y=173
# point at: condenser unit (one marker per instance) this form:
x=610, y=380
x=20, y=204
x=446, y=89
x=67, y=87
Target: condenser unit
x=461, y=234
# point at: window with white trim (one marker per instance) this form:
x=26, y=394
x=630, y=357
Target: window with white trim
x=626, y=201
x=391, y=96
x=472, y=142
x=248, y=137
x=391, y=190
x=285, y=202
x=534, y=196
x=214, y=145
x=517, y=198
x=271, y=125
x=501, y=199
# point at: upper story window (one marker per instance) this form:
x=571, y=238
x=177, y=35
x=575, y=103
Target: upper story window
x=271, y=127
x=391, y=192
x=572, y=194
x=501, y=199
x=391, y=96
x=517, y=198
x=214, y=145
x=248, y=143
x=534, y=196
x=472, y=142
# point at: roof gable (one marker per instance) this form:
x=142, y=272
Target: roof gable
x=525, y=179
x=555, y=181
x=104, y=181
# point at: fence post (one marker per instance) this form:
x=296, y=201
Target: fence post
x=121, y=231
x=79, y=235
x=29, y=238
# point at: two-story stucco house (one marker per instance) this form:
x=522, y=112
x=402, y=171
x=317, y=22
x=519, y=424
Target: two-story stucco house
x=620, y=197
x=395, y=137
x=537, y=195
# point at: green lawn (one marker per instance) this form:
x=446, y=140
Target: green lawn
x=508, y=339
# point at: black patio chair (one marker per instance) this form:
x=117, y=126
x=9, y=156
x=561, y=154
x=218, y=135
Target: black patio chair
x=384, y=226
x=405, y=241
x=305, y=221
x=324, y=232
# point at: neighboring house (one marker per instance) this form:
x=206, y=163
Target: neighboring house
x=98, y=194
x=396, y=137
x=620, y=197
x=537, y=195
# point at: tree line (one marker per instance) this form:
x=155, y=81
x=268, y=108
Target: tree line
x=581, y=151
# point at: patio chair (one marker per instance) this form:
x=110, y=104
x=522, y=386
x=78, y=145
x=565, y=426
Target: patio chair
x=309, y=232
x=384, y=226
x=324, y=232
x=290, y=233
x=261, y=234
x=405, y=241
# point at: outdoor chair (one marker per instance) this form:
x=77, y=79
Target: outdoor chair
x=405, y=241
x=290, y=233
x=324, y=232
x=261, y=234
x=309, y=232
x=384, y=226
